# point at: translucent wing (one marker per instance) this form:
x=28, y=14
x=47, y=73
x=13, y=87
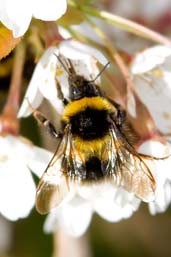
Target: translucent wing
x=64, y=169
x=126, y=167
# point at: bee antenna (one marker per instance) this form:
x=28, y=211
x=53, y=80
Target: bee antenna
x=62, y=63
x=98, y=75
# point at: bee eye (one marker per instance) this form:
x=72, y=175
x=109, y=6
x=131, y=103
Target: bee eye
x=75, y=92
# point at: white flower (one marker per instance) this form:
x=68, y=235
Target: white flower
x=18, y=159
x=16, y=15
x=161, y=170
x=151, y=76
x=74, y=214
x=43, y=85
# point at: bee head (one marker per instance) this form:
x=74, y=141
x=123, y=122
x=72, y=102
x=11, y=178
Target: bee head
x=80, y=87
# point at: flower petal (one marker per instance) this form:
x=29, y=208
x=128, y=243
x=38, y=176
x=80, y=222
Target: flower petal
x=17, y=191
x=159, y=168
x=74, y=217
x=149, y=59
x=14, y=20
x=117, y=205
x=162, y=201
x=49, y=10
x=40, y=160
x=75, y=50
x=161, y=172
x=32, y=99
x=48, y=89
x=152, y=76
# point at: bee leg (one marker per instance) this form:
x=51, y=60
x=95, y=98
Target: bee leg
x=47, y=124
x=120, y=116
x=39, y=116
x=60, y=93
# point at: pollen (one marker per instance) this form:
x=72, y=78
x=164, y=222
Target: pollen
x=59, y=71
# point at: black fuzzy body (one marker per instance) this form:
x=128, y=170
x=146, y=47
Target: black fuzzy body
x=90, y=124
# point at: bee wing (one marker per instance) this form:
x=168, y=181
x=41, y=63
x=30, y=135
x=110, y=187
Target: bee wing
x=56, y=181
x=127, y=167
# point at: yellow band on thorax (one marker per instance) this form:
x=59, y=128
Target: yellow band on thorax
x=97, y=102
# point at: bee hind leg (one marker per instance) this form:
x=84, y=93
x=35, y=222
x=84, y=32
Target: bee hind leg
x=46, y=123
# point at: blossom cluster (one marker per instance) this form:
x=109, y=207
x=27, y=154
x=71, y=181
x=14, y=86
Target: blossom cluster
x=20, y=159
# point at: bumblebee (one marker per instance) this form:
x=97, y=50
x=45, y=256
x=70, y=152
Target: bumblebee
x=92, y=146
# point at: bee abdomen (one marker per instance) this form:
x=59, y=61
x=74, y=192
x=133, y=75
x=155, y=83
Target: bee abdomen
x=93, y=169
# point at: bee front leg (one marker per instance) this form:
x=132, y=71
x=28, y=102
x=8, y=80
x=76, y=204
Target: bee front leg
x=39, y=116
x=60, y=93
x=47, y=124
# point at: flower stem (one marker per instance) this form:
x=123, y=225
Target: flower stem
x=65, y=245
x=14, y=92
x=124, y=24
x=8, y=119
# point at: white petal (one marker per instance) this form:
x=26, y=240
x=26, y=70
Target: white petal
x=91, y=192
x=32, y=99
x=74, y=217
x=123, y=198
x=87, y=30
x=18, y=21
x=17, y=191
x=39, y=161
x=12, y=18
x=49, y=10
x=48, y=89
x=21, y=146
x=42, y=84
x=152, y=85
x=116, y=207
x=149, y=59
x=154, y=148
x=82, y=59
x=75, y=50
x=162, y=201
x=160, y=170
